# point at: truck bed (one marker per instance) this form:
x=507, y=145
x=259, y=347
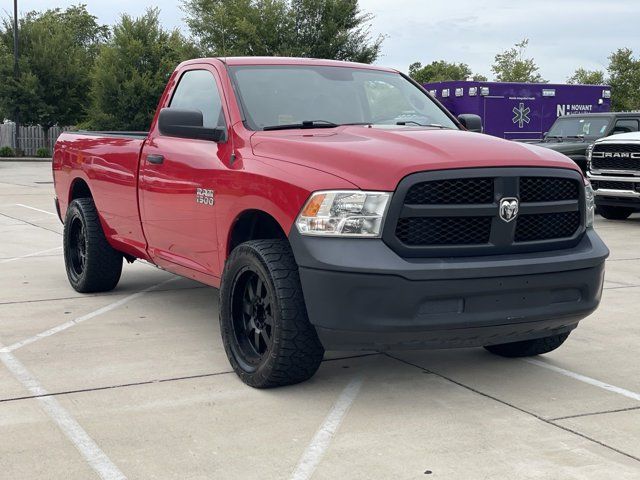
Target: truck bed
x=108, y=163
x=112, y=133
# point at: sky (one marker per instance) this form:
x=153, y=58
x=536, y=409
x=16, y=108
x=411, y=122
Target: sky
x=563, y=34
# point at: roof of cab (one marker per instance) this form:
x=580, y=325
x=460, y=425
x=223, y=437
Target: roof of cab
x=249, y=61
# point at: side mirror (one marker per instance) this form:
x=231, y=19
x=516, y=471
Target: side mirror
x=471, y=122
x=175, y=122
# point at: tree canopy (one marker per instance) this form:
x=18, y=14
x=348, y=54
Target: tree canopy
x=512, y=66
x=57, y=48
x=75, y=71
x=335, y=29
x=131, y=72
x=440, y=71
x=587, y=77
x=624, y=78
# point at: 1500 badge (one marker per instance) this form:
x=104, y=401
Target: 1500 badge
x=205, y=196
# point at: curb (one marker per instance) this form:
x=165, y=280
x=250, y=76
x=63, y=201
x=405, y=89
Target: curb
x=24, y=159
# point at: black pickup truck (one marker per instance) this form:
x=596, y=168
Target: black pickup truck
x=572, y=134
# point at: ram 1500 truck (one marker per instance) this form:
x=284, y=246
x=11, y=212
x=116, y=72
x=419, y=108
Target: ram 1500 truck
x=614, y=171
x=571, y=135
x=335, y=206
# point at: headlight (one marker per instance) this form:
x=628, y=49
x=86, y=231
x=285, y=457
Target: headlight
x=344, y=213
x=590, y=204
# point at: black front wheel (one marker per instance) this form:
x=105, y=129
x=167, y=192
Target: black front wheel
x=263, y=319
x=92, y=264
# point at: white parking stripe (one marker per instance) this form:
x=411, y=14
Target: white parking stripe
x=83, y=318
x=94, y=456
x=36, y=209
x=585, y=379
x=34, y=254
x=320, y=442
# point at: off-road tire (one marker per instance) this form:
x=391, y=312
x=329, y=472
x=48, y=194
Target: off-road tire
x=529, y=348
x=294, y=352
x=614, y=213
x=101, y=265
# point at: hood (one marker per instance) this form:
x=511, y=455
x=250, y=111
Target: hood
x=378, y=158
x=622, y=137
x=565, y=147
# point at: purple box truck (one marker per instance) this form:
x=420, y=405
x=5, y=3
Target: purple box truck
x=520, y=111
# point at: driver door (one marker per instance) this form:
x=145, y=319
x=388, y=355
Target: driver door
x=178, y=181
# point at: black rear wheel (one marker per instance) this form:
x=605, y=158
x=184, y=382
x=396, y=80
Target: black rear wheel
x=92, y=264
x=263, y=318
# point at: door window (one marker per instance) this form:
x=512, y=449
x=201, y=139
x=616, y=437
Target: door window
x=626, y=126
x=197, y=90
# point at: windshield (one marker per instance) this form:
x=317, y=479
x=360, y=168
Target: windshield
x=289, y=95
x=579, y=127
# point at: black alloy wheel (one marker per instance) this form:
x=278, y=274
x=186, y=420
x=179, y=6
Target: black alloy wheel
x=92, y=264
x=77, y=249
x=252, y=316
x=263, y=318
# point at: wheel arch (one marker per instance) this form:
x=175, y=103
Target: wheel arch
x=79, y=188
x=253, y=224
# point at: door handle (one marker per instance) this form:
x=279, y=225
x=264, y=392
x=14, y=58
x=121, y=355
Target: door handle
x=155, y=159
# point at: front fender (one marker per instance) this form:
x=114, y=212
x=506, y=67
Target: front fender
x=279, y=189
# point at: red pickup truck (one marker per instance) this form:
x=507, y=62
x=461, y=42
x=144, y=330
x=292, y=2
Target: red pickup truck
x=335, y=206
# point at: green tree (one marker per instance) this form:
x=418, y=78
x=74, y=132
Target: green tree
x=439, y=71
x=512, y=66
x=131, y=71
x=57, y=49
x=335, y=29
x=624, y=78
x=587, y=77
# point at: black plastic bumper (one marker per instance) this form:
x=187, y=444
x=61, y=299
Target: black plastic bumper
x=624, y=202
x=361, y=295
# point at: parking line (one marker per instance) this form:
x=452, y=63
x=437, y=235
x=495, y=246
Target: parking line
x=83, y=318
x=34, y=254
x=94, y=456
x=585, y=379
x=36, y=209
x=321, y=440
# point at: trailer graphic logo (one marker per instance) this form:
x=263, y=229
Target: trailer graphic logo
x=521, y=115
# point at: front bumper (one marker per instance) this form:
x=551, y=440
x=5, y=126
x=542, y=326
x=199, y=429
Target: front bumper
x=622, y=197
x=361, y=295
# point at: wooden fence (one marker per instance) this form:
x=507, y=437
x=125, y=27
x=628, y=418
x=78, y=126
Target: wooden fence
x=30, y=139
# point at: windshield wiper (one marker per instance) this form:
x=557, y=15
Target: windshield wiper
x=412, y=122
x=303, y=124
x=576, y=136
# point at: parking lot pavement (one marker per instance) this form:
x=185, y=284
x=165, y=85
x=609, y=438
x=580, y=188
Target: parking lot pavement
x=135, y=383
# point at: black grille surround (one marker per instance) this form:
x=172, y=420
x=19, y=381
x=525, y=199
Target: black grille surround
x=551, y=212
x=616, y=157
